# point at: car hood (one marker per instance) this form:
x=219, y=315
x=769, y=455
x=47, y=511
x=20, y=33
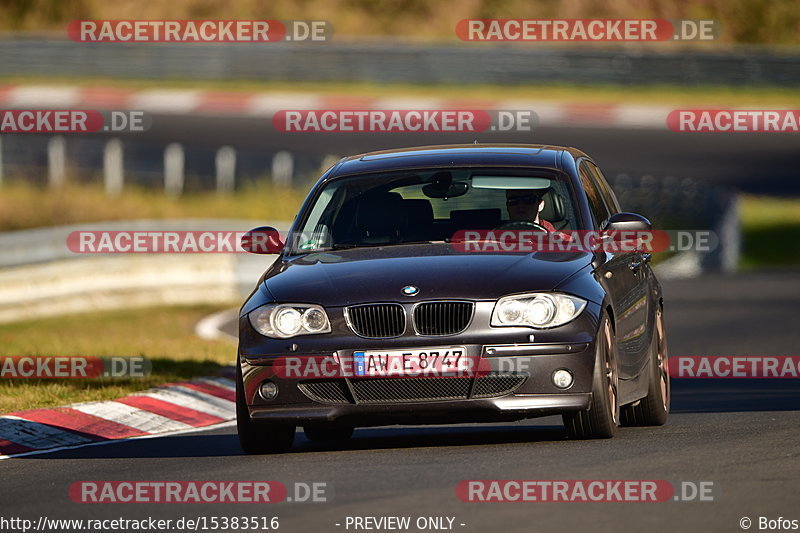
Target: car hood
x=361, y=275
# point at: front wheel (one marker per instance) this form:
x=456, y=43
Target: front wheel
x=259, y=438
x=602, y=418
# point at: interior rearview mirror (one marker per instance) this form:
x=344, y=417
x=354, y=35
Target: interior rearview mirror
x=446, y=190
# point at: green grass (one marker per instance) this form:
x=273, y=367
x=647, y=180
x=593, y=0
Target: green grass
x=24, y=206
x=718, y=96
x=770, y=232
x=164, y=335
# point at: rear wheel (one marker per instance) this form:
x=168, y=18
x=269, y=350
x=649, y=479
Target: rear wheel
x=602, y=418
x=327, y=434
x=259, y=438
x=652, y=410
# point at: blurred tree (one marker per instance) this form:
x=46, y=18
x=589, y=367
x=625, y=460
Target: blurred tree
x=40, y=14
x=743, y=21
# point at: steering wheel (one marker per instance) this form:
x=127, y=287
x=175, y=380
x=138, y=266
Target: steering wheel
x=521, y=225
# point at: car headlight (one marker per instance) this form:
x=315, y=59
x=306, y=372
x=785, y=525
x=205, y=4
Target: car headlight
x=282, y=321
x=537, y=310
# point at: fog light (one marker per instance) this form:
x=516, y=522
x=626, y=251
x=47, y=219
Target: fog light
x=268, y=390
x=562, y=379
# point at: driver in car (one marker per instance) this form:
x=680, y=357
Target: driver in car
x=524, y=205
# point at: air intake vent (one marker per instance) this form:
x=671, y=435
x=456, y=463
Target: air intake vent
x=377, y=321
x=326, y=391
x=496, y=385
x=398, y=390
x=401, y=390
x=442, y=318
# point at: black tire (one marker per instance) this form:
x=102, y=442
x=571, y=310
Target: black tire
x=259, y=439
x=652, y=410
x=602, y=418
x=327, y=434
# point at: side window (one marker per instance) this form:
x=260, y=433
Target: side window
x=596, y=206
x=605, y=189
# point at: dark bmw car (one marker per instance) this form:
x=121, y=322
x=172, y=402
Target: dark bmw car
x=378, y=311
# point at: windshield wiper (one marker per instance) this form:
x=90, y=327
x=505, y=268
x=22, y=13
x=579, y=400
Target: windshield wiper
x=376, y=245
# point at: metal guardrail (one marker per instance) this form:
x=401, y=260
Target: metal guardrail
x=45, y=245
x=40, y=276
x=397, y=62
x=28, y=157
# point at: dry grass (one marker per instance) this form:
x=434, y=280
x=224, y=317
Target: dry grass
x=163, y=335
x=27, y=206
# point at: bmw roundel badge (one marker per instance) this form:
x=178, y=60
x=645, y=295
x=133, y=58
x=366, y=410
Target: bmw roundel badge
x=410, y=290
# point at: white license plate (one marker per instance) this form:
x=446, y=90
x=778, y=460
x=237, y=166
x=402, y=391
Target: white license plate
x=422, y=362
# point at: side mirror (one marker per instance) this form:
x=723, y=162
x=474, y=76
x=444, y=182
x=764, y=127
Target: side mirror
x=263, y=240
x=628, y=222
x=628, y=232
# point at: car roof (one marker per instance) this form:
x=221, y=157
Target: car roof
x=528, y=155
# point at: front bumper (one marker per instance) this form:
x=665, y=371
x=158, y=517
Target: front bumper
x=531, y=355
x=531, y=367
x=512, y=407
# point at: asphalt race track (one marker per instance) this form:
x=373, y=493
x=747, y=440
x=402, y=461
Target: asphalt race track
x=739, y=434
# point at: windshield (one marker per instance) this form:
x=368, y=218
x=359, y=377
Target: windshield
x=423, y=206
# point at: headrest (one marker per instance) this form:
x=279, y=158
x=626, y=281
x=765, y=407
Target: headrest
x=380, y=215
x=475, y=218
x=554, y=208
x=419, y=212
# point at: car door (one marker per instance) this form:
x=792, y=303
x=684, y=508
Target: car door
x=620, y=277
x=641, y=310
